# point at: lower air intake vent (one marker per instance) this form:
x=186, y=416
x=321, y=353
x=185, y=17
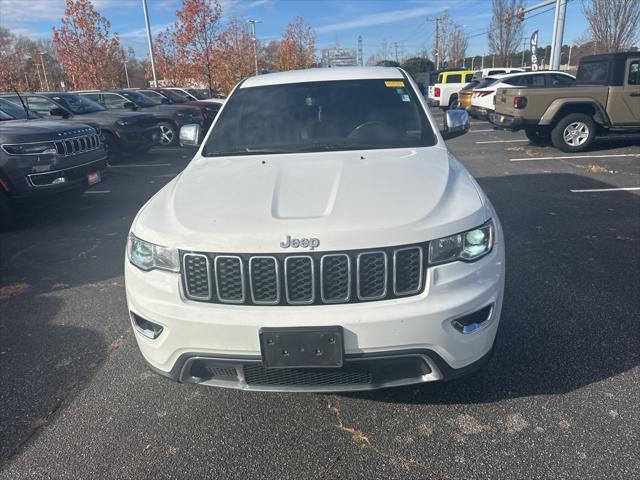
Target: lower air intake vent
x=348, y=375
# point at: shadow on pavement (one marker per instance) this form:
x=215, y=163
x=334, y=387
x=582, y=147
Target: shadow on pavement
x=571, y=314
x=40, y=364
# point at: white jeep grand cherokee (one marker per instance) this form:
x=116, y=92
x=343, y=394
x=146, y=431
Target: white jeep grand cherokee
x=322, y=239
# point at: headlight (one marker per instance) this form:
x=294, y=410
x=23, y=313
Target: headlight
x=30, y=149
x=148, y=256
x=123, y=123
x=466, y=246
x=180, y=114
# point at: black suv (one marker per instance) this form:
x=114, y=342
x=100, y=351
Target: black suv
x=40, y=158
x=170, y=117
x=122, y=132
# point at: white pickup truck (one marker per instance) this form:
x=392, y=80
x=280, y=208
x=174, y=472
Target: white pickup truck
x=444, y=93
x=323, y=238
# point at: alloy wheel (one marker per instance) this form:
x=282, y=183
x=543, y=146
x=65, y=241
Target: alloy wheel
x=576, y=133
x=166, y=135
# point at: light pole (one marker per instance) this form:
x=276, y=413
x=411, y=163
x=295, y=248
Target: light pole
x=44, y=70
x=126, y=72
x=150, y=42
x=255, y=42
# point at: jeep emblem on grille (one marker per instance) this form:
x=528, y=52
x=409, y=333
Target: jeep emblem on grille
x=310, y=243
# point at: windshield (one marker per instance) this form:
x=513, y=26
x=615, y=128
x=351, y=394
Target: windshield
x=78, y=104
x=11, y=111
x=320, y=116
x=153, y=95
x=140, y=99
x=176, y=95
x=471, y=85
x=486, y=82
x=199, y=94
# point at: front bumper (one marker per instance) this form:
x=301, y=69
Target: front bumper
x=479, y=112
x=433, y=102
x=30, y=185
x=418, y=327
x=507, y=122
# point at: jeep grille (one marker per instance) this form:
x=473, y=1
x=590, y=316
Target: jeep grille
x=305, y=279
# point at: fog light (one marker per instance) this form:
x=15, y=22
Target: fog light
x=145, y=327
x=474, y=321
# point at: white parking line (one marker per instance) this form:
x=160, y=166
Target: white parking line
x=621, y=189
x=483, y=130
x=98, y=191
x=574, y=156
x=504, y=141
x=140, y=166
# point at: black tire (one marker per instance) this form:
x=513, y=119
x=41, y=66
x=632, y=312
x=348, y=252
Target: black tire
x=168, y=134
x=453, y=102
x=6, y=212
x=573, y=133
x=114, y=149
x=538, y=135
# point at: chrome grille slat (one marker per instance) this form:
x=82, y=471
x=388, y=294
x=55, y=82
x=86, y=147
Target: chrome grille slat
x=407, y=270
x=229, y=278
x=264, y=283
x=198, y=282
x=299, y=269
x=330, y=292
x=372, y=267
x=313, y=278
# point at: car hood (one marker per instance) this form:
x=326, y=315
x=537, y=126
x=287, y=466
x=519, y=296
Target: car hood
x=349, y=200
x=35, y=130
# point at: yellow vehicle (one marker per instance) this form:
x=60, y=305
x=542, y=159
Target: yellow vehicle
x=444, y=94
x=464, y=95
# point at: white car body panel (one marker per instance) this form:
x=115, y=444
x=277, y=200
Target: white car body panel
x=349, y=200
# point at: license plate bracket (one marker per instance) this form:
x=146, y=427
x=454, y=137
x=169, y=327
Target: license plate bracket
x=302, y=347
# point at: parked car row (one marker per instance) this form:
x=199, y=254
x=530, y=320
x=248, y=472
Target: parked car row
x=56, y=142
x=42, y=157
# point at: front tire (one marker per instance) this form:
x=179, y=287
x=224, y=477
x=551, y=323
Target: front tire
x=537, y=136
x=573, y=133
x=453, y=102
x=168, y=134
x=114, y=149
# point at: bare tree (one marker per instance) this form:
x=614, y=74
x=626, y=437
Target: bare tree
x=458, y=44
x=614, y=24
x=504, y=31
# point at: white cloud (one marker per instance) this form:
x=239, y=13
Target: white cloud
x=391, y=16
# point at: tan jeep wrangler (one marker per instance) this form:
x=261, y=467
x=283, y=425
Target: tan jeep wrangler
x=605, y=99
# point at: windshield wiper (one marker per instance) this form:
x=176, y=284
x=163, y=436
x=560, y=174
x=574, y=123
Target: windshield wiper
x=246, y=151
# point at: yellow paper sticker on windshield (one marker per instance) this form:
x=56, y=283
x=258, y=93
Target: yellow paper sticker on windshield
x=394, y=83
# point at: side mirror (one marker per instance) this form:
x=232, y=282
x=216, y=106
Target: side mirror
x=456, y=123
x=130, y=105
x=190, y=135
x=59, y=112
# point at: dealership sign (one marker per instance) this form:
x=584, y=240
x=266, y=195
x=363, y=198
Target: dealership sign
x=534, y=49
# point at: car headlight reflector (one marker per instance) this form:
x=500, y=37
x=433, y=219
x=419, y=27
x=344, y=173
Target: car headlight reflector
x=43, y=148
x=466, y=246
x=148, y=256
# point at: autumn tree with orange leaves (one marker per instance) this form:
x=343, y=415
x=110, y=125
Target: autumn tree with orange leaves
x=297, y=47
x=90, y=55
x=234, y=55
x=196, y=33
x=170, y=65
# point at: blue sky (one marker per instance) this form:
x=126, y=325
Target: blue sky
x=334, y=21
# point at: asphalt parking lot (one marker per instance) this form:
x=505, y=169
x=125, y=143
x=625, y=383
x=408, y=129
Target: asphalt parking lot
x=559, y=398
